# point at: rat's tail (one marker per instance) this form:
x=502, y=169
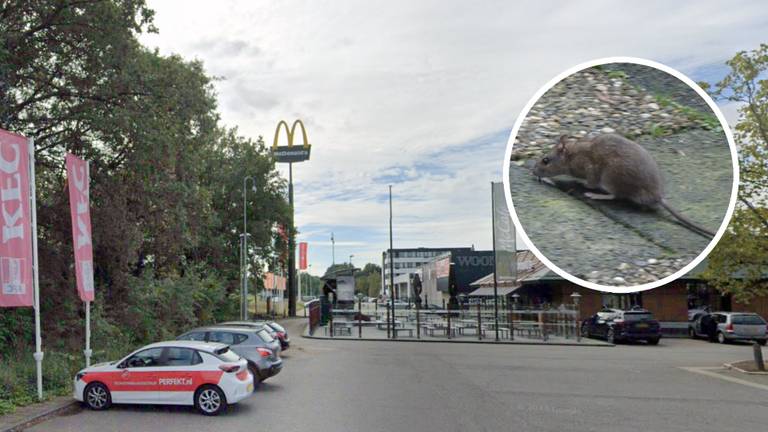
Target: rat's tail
x=687, y=222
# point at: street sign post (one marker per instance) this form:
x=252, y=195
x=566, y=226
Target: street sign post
x=290, y=155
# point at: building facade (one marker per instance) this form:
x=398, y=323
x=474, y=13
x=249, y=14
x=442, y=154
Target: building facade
x=408, y=261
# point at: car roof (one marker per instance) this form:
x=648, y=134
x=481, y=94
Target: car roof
x=224, y=328
x=243, y=323
x=200, y=345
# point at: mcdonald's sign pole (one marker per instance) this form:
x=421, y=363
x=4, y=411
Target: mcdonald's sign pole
x=290, y=155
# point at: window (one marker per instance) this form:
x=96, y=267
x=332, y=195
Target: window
x=227, y=355
x=227, y=337
x=147, y=358
x=193, y=336
x=182, y=357
x=721, y=319
x=265, y=336
x=747, y=319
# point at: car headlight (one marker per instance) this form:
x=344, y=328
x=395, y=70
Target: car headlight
x=79, y=376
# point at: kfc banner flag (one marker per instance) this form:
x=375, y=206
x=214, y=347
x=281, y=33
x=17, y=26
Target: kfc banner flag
x=16, y=284
x=79, y=206
x=303, y=256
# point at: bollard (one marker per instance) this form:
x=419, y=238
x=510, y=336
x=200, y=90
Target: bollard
x=479, y=324
x=330, y=322
x=388, y=332
x=360, y=317
x=449, y=323
x=418, y=324
x=758, y=352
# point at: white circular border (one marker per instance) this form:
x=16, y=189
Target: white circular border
x=723, y=124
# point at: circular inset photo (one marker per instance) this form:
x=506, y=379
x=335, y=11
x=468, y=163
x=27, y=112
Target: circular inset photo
x=621, y=174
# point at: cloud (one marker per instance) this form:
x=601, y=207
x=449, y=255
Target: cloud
x=420, y=94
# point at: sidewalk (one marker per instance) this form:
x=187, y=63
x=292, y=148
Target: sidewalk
x=29, y=415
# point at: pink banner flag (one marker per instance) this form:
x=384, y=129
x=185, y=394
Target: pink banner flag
x=303, y=256
x=79, y=206
x=16, y=288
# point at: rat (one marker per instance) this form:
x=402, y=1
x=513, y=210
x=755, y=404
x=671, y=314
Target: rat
x=616, y=165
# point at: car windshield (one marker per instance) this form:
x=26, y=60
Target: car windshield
x=748, y=319
x=637, y=316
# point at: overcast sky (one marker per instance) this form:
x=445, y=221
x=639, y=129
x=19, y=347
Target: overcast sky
x=420, y=95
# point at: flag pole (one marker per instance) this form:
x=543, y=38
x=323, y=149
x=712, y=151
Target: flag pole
x=87, y=352
x=38, y=355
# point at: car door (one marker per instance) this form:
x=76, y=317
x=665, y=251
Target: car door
x=179, y=376
x=137, y=378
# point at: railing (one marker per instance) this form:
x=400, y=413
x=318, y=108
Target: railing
x=314, y=314
x=476, y=321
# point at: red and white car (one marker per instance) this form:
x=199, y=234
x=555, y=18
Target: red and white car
x=207, y=375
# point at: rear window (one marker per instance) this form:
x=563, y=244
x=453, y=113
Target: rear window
x=228, y=338
x=193, y=336
x=265, y=336
x=747, y=319
x=637, y=316
x=277, y=327
x=227, y=355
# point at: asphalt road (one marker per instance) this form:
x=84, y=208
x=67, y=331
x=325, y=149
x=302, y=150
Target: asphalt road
x=384, y=386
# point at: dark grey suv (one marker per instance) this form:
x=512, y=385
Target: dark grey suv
x=256, y=345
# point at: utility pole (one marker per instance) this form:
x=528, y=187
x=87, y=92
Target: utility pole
x=333, y=250
x=391, y=268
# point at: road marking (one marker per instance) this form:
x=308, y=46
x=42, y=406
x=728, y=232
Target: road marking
x=708, y=371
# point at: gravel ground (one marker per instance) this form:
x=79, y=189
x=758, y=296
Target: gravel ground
x=616, y=243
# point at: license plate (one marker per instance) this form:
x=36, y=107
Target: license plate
x=642, y=325
x=250, y=387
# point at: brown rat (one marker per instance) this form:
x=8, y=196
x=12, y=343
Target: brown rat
x=614, y=164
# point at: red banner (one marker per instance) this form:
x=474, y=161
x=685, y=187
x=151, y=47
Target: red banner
x=79, y=206
x=303, y=256
x=16, y=288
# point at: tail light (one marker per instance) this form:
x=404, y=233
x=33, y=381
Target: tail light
x=729, y=328
x=229, y=367
x=264, y=352
x=618, y=322
x=243, y=375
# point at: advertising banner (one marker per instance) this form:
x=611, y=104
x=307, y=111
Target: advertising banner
x=345, y=288
x=16, y=283
x=503, y=236
x=79, y=206
x=303, y=256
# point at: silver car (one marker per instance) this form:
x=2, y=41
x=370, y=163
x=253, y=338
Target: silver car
x=255, y=344
x=742, y=326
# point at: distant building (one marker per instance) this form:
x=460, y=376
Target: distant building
x=456, y=269
x=408, y=261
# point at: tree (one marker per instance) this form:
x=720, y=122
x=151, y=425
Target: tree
x=738, y=263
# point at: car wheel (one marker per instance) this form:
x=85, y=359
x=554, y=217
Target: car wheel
x=584, y=330
x=97, y=397
x=653, y=341
x=256, y=374
x=210, y=400
x=721, y=338
x=610, y=336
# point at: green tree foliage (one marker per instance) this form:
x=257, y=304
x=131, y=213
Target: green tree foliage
x=739, y=263
x=167, y=179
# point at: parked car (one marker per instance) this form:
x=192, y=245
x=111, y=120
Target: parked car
x=615, y=325
x=741, y=326
x=256, y=345
x=208, y=376
x=276, y=330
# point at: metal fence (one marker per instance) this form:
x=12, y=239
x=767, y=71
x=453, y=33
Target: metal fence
x=476, y=321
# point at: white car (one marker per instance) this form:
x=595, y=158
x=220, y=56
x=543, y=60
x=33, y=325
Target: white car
x=207, y=375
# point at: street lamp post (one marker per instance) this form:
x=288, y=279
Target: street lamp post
x=576, y=297
x=244, y=251
x=515, y=298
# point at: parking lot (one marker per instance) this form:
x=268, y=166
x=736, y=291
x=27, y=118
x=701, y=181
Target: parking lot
x=346, y=385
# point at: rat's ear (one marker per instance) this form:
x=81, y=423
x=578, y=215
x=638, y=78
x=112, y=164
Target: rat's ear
x=564, y=140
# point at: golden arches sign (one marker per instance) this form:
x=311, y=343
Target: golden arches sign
x=289, y=153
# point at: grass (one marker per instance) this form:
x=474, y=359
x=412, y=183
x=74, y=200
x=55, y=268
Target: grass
x=617, y=74
x=18, y=377
x=705, y=121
